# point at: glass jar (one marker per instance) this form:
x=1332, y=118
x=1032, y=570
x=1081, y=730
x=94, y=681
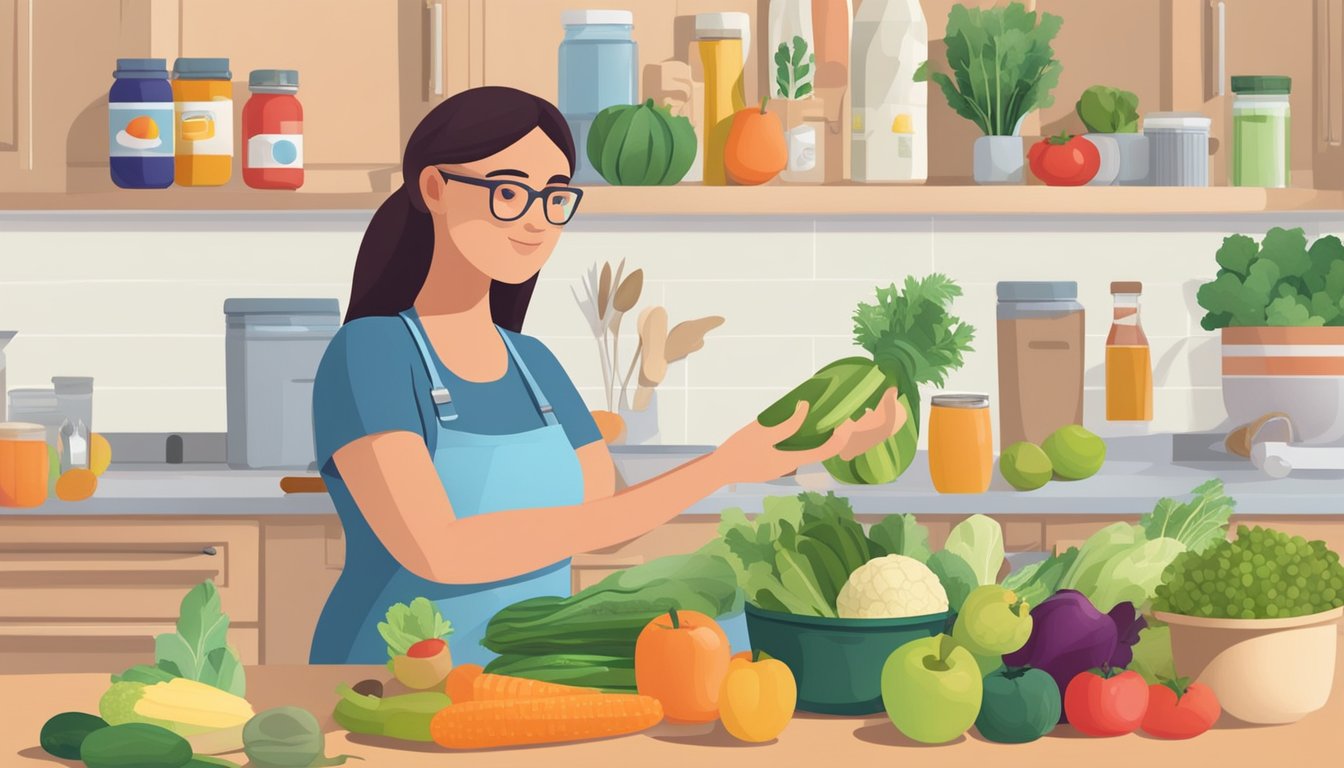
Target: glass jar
x=203, y=98
x=39, y=407
x=721, y=55
x=140, y=125
x=599, y=68
x=273, y=130
x=1041, y=360
x=961, y=443
x=1261, y=131
x=24, y=465
x=74, y=398
x=1129, y=367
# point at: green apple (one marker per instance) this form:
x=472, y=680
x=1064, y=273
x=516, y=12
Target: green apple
x=931, y=688
x=992, y=622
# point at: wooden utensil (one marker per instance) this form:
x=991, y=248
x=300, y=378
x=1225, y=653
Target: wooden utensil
x=603, y=291
x=689, y=336
x=305, y=484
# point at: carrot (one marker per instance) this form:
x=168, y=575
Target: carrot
x=460, y=681
x=488, y=687
x=517, y=722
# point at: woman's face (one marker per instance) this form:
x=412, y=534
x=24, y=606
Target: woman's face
x=507, y=251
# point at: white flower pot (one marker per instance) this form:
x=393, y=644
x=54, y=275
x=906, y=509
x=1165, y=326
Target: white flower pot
x=1124, y=159
x=998, y=160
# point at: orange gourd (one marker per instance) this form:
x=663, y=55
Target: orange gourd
x=681, y=660
x=755, y=151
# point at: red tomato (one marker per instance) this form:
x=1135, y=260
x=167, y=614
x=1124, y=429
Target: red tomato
x=426, y=648
x=1064, y=161
x=1098, y=705
x=1177, y=710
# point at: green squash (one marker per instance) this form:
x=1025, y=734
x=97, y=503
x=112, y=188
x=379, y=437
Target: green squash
x=641, y=145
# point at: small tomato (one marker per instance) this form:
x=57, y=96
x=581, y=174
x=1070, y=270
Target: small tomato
x=1064, y=161
x=1106, y=702
x=1179, y=709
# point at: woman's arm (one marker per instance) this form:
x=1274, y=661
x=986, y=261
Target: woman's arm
x=599, y=472
x=393, y=480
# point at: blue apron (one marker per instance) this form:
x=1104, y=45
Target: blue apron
x=482, y=474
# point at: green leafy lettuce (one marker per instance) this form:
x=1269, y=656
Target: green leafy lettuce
x=979, y=541
x=1002, y=65
x=406, y=625
x=1108, y=110
x=198, y=650
x=1278, y=281
x=956, y=576
x=899, y=535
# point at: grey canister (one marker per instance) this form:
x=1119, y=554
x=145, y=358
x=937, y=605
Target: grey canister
x=1178, y=148
x=272, y=348
x=1041, y=343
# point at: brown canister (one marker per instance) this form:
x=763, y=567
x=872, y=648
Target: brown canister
x=1041, y=363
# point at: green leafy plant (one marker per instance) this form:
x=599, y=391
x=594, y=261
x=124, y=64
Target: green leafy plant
x=793, y=69
x=407, y=625
x=1278, y=281
x=1109, y=110
x=1002, y=65
x=198, y=650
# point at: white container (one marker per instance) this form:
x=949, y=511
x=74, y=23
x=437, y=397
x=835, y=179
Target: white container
x=806, y=160
x=1178, y=148
x=271, y=352
x=997, y=160
x=38, y=406
x=790, y=19
x=1124, y=153
x=890, y=111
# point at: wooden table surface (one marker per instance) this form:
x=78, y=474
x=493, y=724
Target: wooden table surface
x=811, y=741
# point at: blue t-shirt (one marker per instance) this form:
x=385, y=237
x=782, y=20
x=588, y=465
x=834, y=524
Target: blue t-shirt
x=372, y=379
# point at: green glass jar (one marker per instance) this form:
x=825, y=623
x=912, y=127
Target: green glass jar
x=1261, y=131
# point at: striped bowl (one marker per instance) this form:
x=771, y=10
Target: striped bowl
x=1299, y=371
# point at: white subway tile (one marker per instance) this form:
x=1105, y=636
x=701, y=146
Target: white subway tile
x=884, y=251
x=773, y=308
x=750, y=362
x=715, y=414
x=139, y=361
x=1174, y=410
x=709, y=250
x=1098, y=256
x=582, y=361
x=159, y=410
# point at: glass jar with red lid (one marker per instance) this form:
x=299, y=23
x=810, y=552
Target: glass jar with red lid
x=273, y=130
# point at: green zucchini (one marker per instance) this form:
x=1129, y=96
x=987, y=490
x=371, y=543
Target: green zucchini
x=134, y=745
x=63, y=733
x=610, y=674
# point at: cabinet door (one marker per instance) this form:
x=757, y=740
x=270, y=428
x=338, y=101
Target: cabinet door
x=53, y=99
x=1328, y=97
x=366, y=74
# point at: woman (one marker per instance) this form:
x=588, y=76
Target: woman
x=463, y=463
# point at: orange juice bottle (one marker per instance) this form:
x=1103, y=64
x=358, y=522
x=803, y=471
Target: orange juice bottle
x=24, y=464
x=1129, y=365
x=961, y=449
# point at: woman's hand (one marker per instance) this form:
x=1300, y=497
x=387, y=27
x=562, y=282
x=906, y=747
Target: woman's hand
x=750, y=455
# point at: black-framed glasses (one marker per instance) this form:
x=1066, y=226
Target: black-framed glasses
x=511, y=200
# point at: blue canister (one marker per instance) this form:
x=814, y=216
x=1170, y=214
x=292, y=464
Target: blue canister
x=140, y=125
x=599, y=66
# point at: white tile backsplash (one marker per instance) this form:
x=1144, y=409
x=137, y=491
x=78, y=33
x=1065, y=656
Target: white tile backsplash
x=136, y=301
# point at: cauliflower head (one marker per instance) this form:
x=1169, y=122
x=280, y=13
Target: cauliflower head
x=891, y=587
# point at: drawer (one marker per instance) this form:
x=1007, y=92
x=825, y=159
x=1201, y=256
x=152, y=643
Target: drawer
x=77, y=570
x=37, y=648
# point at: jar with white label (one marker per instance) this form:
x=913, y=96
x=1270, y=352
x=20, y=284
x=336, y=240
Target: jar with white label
x=273, y=130
x=203, y=102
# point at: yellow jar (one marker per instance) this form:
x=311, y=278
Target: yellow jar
x=203, y=103
x=721, y=55
x=961, y=450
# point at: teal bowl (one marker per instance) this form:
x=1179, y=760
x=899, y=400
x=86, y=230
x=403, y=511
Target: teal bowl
x=837, y=663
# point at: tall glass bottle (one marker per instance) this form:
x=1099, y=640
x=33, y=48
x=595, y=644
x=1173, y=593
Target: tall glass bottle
x=1129, y=365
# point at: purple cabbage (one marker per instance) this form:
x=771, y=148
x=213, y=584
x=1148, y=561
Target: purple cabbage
x=1069, y=635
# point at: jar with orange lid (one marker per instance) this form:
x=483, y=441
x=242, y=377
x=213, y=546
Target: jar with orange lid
x=24, y=464
x=961, y=450
x=203, y=105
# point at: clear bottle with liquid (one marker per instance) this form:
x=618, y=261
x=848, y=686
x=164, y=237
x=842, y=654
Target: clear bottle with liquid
x=1129, y=365
x=74, y=445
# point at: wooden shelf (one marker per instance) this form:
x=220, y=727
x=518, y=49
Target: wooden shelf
x=774, y=199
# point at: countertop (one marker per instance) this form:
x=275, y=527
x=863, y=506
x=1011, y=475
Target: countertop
x=808, y=740
x=1138, y=472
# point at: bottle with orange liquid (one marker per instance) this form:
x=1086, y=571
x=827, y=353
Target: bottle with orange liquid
x=1129, y=365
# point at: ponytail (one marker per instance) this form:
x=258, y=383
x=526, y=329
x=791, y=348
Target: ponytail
x=394, y=258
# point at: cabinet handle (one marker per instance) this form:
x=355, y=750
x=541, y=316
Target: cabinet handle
x=436, y=64
x=209, y=550
x=1221, y=90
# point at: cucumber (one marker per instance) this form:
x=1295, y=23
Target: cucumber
x=134, y=745
x=63, y=733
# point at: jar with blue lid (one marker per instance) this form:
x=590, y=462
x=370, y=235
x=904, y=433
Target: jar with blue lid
x=140, y=125
x=598, y=66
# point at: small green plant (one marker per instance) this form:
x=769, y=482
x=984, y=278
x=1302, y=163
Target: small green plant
x=1278, y=281
x=793, y=69
x=1108, y=110
x=1002, y=65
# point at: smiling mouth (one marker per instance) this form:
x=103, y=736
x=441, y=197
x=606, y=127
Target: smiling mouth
x=524, y=243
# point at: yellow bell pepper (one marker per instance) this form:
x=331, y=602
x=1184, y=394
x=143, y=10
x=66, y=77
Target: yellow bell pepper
x=757, y=699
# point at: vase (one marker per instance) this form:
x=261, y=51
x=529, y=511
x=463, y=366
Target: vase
x=998, y=160
x=641, y=427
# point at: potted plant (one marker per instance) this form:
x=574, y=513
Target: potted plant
x=1002, y=68
x=1112, y=120
x=1280, y=308
x=1255, y=619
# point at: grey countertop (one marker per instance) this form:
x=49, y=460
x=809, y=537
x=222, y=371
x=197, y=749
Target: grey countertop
x=1137, y=473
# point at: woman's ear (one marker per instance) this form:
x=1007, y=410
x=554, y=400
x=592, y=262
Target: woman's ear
x=431, y=189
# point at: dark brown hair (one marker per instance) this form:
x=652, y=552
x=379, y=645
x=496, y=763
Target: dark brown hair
x=398, y=246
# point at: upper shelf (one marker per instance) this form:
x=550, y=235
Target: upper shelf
x=774, y=199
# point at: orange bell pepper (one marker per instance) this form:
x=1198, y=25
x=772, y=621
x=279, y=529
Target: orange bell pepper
x=757, y=699
x=681, y=660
